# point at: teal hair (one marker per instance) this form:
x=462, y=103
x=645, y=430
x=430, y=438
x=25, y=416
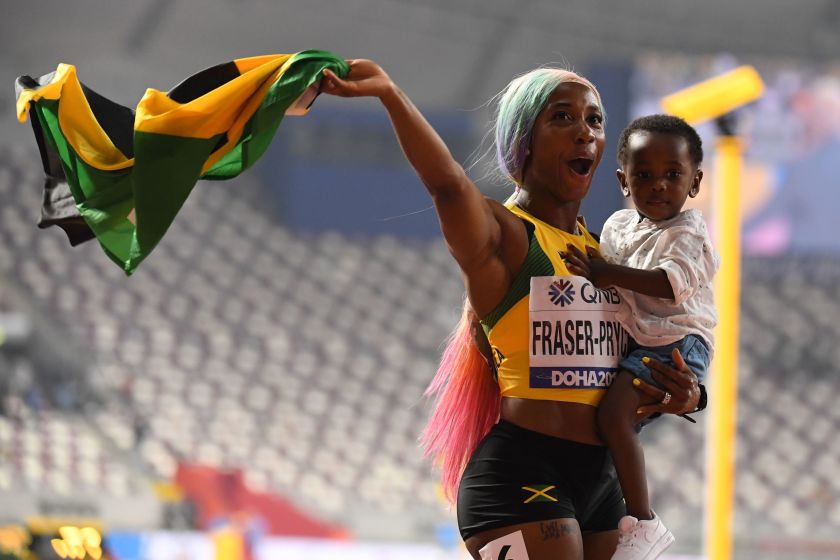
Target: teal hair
x=517, y=109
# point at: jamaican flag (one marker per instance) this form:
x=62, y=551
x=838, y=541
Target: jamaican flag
x=121, y=174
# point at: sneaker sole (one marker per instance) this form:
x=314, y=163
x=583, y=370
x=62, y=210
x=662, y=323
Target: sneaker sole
x=660, y=546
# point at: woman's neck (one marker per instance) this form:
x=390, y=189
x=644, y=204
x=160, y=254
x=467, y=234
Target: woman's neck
x=545, y=208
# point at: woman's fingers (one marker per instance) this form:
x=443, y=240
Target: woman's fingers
x=648, y=389
x=335, y=85
x=350, y=84
x=678, y=359
x=666, y=401
x=673, y=378
x=663, y=404
x=681, y=392
x=365, y=78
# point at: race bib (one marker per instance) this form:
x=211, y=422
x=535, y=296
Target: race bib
x=575, y=341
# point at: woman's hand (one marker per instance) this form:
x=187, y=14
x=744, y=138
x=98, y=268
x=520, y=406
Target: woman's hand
x=365, y=79
x=682, y=391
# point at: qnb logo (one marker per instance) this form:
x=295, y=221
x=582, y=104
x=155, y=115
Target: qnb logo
x=561, y=292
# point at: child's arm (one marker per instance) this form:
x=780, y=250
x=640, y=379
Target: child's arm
x=653, y=283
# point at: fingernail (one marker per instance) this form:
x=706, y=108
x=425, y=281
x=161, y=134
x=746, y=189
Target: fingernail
x=636, y=382
x=638, y=411
x=645, y=360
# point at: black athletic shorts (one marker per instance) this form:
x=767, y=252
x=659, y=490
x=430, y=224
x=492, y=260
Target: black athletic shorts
x=520, y=476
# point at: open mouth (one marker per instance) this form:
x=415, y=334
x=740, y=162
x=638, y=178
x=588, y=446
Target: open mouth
x=581, y=166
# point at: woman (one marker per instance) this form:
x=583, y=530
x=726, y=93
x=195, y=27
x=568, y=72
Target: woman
x=540, y=484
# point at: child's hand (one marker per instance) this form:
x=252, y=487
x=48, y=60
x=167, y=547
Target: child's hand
x=590, y=265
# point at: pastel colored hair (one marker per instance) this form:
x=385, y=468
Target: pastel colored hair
x=467, y=405
x=517, y=109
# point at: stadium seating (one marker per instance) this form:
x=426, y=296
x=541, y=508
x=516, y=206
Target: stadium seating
x=302, y=359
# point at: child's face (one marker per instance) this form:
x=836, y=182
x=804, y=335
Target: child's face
x=659, y=174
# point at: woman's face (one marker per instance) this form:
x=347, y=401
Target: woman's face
x=566, y=144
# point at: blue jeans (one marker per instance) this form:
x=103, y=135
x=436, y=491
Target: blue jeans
x=693, y=349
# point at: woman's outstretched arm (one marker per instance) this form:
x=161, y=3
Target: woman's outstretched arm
x=469, y=224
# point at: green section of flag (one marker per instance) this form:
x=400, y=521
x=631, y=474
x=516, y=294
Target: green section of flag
x=166, y=169
x=260, y=128
x=103, y=198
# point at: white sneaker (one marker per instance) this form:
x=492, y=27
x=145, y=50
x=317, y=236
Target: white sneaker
x=642, y=539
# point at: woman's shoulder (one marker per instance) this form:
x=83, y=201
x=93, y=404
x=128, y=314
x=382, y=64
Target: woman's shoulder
x=504, y=212
x=514, y=230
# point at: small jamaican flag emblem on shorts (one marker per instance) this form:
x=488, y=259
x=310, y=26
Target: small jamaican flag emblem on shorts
x=539, y=493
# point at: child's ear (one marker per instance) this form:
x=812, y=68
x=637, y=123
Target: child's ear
x=622, y=182
x=695, y=184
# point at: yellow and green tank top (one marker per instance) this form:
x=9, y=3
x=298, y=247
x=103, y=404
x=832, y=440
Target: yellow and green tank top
x=560, y=342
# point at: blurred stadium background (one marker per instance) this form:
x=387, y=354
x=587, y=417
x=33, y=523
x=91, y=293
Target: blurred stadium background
x=259, y=379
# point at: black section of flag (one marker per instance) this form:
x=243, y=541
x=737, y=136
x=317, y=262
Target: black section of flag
x=204, y=82
x=116, y=120
x=58, y=207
